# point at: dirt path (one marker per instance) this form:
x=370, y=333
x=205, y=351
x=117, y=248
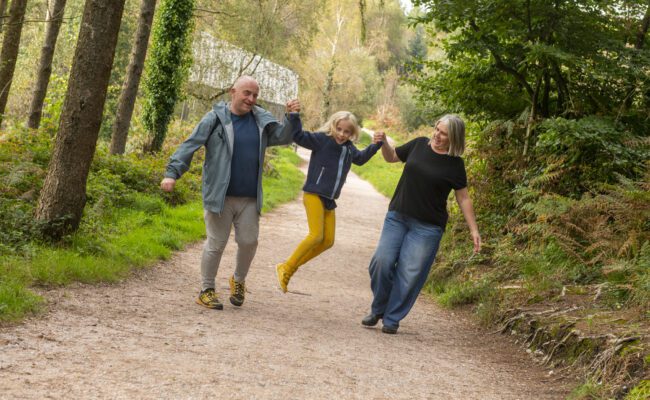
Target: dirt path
x=145, y=338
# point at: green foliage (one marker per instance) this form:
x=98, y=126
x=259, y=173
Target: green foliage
x=639, y=270
x=452, y=294
x=414, y=113
x=492, y=94
x=575, y=154
x=640, y=392
x=587, y=391
x=15, y=299
x=573, y=58
x=549, y=267
x=23, y=159
x=382, y=175
x=284, y=180
x=53, y=104
x=417, y=48
x=167, y=66
x=128, y=27
x=128, y=221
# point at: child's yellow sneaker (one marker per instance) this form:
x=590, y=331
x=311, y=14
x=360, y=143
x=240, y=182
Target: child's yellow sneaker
x=281, y=270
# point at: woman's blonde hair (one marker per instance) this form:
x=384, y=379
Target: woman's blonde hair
x=456, y=131
x=329, y=128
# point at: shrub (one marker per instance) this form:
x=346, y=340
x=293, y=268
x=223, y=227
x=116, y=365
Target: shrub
x=574, y=155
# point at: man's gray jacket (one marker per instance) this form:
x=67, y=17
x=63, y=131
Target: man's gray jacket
x=215, y=132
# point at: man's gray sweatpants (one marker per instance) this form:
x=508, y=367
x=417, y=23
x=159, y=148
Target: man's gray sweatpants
x=242, y=213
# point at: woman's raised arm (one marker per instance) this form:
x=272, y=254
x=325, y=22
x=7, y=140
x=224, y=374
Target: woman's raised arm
x=387, y=151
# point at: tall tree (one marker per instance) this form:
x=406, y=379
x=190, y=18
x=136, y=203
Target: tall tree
x=3, y=9
x=132, y=81
x=362, y=14
x=9, y=54
x=417, y=49
x=329, y=81
x=286, y=26
x=557, y=59
x=167, y=67
x=63, y=196
x=54, y=18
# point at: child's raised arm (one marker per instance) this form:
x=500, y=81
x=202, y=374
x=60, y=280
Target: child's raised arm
x=308, y=140
x=360, y=157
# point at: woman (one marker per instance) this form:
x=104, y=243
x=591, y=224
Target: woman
x=416, y=218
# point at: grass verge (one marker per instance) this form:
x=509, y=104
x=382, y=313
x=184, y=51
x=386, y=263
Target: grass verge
x=137, y=236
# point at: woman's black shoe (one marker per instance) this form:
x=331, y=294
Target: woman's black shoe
x=391, y=330
x=371, y=319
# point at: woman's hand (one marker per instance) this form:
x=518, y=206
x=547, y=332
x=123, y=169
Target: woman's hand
x=378, y=137
x=387, y=151
x=465, y=204
x=476, y=238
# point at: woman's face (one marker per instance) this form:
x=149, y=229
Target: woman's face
x=344, y=129
x=440, y=138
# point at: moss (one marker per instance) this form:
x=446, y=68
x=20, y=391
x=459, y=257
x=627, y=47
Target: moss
x=583, y=347
x=631, y=348
x=589, y=390
x=640, y=391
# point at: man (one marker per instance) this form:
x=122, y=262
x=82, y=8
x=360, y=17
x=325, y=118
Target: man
x=235, y=136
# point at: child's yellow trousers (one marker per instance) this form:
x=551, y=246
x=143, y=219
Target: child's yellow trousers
x=322, y=224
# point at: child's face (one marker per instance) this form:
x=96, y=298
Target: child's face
x=344, y=130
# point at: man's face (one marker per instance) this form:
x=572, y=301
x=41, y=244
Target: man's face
x=243, y=96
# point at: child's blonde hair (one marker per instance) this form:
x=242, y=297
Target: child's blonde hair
x=329, y=128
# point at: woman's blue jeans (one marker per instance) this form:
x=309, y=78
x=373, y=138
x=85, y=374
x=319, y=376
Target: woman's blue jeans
x=401, y=264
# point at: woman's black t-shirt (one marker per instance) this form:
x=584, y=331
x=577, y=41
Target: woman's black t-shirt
x=426, y=181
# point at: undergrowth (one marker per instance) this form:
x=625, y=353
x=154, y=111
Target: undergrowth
x=128, y=222
x=566, y=230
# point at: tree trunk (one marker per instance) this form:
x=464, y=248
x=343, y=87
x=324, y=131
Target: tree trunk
x=327, y=93
x=3, y=8
x=329, y=81
x=362, y=12
x=132, y=80
x=63, y=196
x=638, y=45
x=643, y=29
x=545, y=97
x=563, y=96
x=9, y=53
x=54, y=18
x=532, y=117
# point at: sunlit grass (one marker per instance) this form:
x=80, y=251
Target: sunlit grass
x=382, y=176
x=285, y=182
x=147, y=231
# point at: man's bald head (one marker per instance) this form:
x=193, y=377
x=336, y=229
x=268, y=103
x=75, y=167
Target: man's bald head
x=243, y=95
x=245, y=79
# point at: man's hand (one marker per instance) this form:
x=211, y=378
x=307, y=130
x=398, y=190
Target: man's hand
x=379, y=136
x=167, y=184
x=293, y=106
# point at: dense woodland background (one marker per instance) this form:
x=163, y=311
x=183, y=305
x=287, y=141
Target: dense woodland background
x=94, y=97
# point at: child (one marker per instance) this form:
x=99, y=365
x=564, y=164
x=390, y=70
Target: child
x=331, y=157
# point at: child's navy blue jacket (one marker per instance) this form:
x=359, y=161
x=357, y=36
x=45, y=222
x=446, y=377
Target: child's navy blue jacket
x=330, y=162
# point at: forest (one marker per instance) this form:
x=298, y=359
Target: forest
x=95, y=95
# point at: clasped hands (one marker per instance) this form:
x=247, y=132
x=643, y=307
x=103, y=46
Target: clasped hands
x=293, y=106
